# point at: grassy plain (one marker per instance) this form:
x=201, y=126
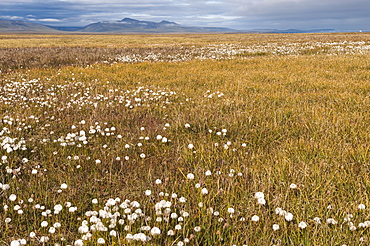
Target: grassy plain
x=270, y=125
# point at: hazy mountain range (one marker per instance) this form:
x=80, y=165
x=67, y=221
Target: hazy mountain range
x=24, y=26
x=128, y=25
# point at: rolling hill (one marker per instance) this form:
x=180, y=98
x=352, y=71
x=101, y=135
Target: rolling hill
x=9, y=26
x=128, y=25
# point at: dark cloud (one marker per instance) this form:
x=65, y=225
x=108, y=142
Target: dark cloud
x=238, y=14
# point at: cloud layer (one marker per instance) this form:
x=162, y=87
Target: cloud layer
x=237, y=14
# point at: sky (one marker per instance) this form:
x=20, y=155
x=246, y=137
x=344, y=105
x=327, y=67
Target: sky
x=342, y=15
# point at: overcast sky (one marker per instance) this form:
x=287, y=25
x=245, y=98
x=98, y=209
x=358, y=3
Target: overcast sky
x=238, y=14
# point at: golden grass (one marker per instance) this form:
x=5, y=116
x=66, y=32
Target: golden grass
x=299, y=119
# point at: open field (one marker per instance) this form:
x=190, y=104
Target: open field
x=185, y=139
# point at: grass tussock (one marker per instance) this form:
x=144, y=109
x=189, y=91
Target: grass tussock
x=229, y=146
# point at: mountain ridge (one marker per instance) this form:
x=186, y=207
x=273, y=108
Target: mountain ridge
x=132, y=26
x=129, y=25
x=10, y=26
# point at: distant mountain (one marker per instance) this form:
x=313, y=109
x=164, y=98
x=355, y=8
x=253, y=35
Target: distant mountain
x=66, y=28
x=128, y=25
x=23, y=26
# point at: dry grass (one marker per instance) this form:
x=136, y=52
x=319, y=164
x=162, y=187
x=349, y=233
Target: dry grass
x=258, y=122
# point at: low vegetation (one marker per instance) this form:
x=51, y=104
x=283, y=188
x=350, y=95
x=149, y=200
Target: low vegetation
x=185, y=140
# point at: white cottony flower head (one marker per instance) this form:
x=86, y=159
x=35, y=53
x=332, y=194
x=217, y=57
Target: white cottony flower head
x=302, y=225
x=259, y=195
x=155, y=231
x=182, y=199
x=361, y=206
x=331, y=221
x=64, y=186
x=288, y=216
x=197, y=229
x=231, y=210
x=317, y=220
x=275, y=227
x=190, y=176
x=261, y=201
x=204, y=191
x=255, y=218
x=12, y=197
x=190, y=146
x=293, y=186
x=58, y=208
x=15, y=243
x=101, y=241
x=52, y=230
x=44, y=239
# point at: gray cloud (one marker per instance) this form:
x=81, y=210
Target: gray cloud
x=238, y=14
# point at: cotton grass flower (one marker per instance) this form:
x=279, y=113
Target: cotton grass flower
x=190, y=176
x=275, y=227
x=182, y=199
x=12, y=197
x=101, y=241
x=261, y=201
x=255, y=218
x=259, y=195
x=204, y=191
x=331, y=221
x=78, y=242
x=302, y=225
x=288, y=216
x=155, y=231
x=15, y=243
x=317, y=220
x=197, y=229
x=361, y=206
x=52, y=230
